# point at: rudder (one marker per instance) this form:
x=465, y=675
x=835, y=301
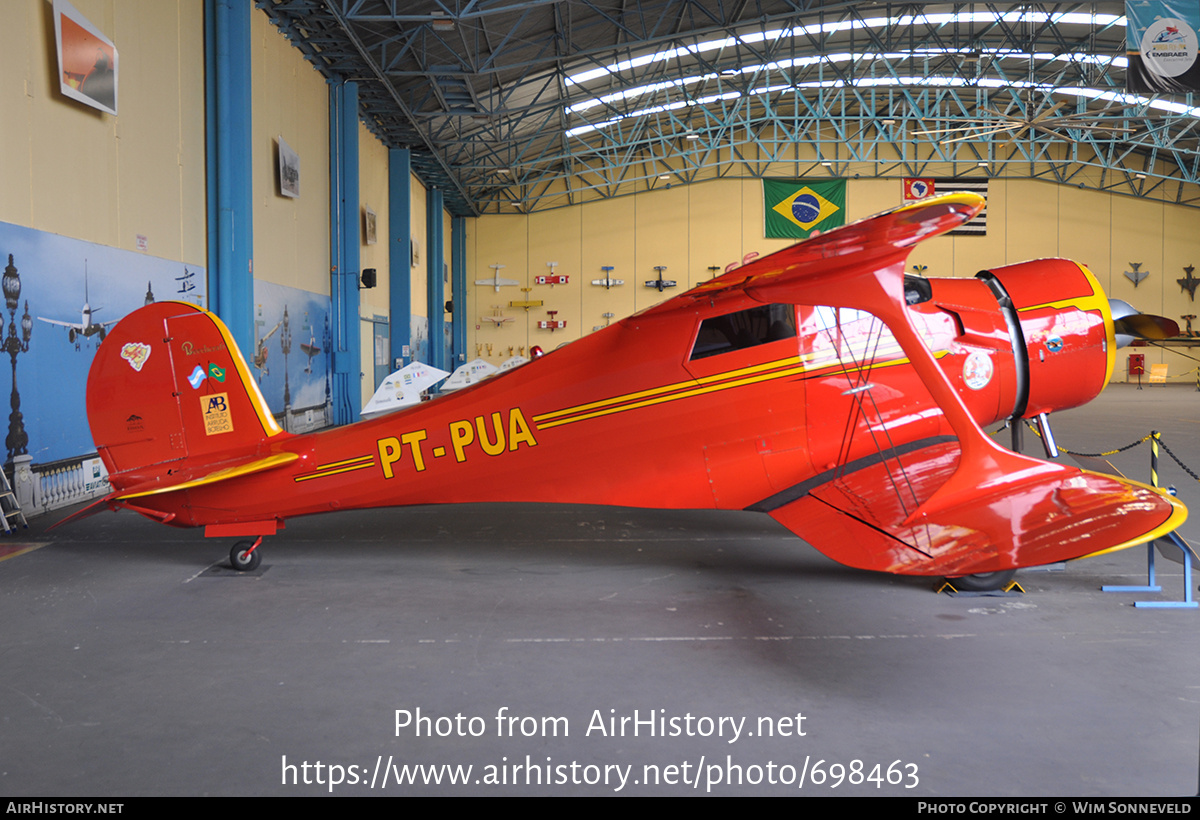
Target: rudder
x=168, y=384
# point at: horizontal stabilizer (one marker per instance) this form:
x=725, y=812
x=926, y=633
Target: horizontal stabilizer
x=97, y=506
x=860, y=517
x=197, y=475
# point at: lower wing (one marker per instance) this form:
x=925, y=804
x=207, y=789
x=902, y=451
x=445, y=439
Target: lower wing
x=866, y=515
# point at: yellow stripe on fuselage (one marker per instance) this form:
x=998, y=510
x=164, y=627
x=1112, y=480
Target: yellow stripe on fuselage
x=667, y=388
x=348, y=465
x=709, y=384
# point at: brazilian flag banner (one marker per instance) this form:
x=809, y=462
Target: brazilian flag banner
x=794, y=208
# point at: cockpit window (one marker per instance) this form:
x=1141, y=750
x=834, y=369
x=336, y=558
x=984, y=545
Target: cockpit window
x=746, y=328
x=916, y=289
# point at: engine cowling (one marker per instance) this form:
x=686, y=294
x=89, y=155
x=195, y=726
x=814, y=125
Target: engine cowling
x=1063, y=341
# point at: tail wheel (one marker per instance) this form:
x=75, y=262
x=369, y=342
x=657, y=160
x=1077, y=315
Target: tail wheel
x=244, y=556
x=983, y=581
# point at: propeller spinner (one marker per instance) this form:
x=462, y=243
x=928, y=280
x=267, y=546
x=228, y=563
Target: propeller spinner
x=1129, y=324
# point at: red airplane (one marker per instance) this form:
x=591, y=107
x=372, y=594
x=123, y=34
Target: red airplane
x=819, y=385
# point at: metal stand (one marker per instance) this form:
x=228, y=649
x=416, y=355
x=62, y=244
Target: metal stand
x=1151, y=583
x=1187, y=602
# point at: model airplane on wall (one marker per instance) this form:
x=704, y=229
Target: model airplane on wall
x=819, y=385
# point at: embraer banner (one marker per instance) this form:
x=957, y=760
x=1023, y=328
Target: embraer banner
x=794, y=208
x=1161, y=44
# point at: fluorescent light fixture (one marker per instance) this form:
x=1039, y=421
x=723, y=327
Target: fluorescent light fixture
x=1094, y=94
x=806, y=31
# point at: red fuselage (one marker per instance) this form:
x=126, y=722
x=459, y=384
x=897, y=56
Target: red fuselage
x=714, y=403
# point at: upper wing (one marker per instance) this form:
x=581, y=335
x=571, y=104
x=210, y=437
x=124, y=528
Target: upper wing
x=869, y=244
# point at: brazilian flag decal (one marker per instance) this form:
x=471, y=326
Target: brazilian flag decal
x=795, y=208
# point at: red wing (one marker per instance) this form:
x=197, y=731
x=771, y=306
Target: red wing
x=860, y=516
x=864, y=245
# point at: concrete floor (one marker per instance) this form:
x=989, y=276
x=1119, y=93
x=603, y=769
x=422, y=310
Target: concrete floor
x=132, y=664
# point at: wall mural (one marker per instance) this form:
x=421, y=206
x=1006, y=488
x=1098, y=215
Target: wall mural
x=291, y=356
x=62, y=296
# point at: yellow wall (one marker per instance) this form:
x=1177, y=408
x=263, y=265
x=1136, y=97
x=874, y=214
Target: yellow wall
x=416, y=227
x=691, y=228
x=291, y=100
x=373, y=193
x=69, y=169
x=72, y=170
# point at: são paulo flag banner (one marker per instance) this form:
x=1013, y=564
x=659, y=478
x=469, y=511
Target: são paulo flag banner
x=794, y=208
x=916, y=188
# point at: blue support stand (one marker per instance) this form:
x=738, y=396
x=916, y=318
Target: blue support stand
x=1187, y=602
x=1151, y=582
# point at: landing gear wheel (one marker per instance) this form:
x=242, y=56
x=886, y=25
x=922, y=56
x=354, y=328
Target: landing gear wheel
x=982, y=581
x=244, y=557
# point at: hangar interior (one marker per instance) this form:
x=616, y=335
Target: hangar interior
x=440, y=144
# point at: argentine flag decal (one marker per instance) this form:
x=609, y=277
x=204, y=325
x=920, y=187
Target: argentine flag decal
x=197, y=377
x=795, y=208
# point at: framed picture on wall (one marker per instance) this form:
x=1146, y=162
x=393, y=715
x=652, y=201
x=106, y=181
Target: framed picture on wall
x=289, y=170
x=369, y=226
x=87, y=60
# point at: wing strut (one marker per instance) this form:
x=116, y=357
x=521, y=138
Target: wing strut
x=874, y=282
x=858, y=379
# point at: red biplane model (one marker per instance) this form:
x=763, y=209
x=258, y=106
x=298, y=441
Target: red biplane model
x=819, y=385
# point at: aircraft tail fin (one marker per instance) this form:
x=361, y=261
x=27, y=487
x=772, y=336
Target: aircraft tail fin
x=170, y=395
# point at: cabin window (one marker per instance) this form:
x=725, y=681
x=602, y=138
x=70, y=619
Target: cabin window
x=746, y=328
x=917, y=289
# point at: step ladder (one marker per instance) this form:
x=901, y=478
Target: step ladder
x=10, y=508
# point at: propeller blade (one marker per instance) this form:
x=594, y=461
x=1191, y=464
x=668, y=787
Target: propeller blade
x=1129, y=324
